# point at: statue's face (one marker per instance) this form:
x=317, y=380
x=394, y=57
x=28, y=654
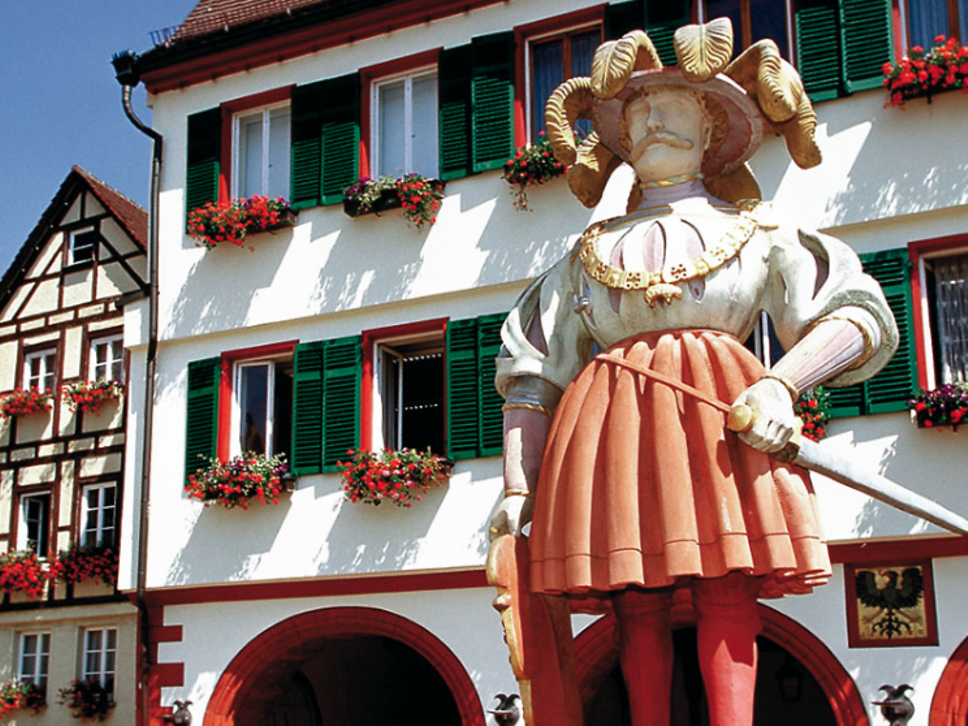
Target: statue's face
x=667, y=132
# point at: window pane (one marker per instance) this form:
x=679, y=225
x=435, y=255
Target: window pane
x=929, y=19
x=768, y=20
x=730, y=9
x=391, y=129
x=951, y=316
x=547, y=73
x=424, y=127
x=282, y=408
x=279, y=154
x=583, y=47
x=250, y=156
x=34, y=511
x=254, y=405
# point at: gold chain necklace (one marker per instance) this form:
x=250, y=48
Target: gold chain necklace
x=663, y=283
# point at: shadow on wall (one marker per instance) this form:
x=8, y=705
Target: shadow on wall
x=329, y=264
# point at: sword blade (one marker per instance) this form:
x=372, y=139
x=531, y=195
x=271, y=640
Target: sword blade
x=835, y=463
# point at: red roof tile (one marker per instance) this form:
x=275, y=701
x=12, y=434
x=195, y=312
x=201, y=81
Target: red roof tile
x=213, y=16
x=130, y=214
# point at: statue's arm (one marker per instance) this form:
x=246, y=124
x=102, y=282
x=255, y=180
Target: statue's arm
x=525, y=432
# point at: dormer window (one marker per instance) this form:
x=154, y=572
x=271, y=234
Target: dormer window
x=82, y=245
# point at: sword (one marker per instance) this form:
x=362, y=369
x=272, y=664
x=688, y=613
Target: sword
x=842, y=467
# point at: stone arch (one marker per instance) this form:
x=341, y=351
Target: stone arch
x=949, y=706
x=252, y=678
x=595, y=646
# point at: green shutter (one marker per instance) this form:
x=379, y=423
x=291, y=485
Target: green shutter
x=307, y=146
x=342, y=368
x=492, y=100
x=474, y=419
x=819, y=57
x=307, y=409
x=890, y=389
x=340, y=135
x=454, y=90
x=620, y=18
x=201, y=424
x=662, y=19
x=866, y=27
x=204, y=149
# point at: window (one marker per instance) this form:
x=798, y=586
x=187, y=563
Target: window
x=404, y=124
x=942, y=309
x=99, y=506
x=554, y=59
x=40, y=370
x=928, y=19
x=34, y=530
x=262, y=406
x=107, y=359
x=82, y=245
x=753, y=20
x=34, y=658
x=100, y=651
x=261, y=152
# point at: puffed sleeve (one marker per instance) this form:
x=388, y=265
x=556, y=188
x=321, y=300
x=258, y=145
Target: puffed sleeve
x=543, y=336
x=815, y=276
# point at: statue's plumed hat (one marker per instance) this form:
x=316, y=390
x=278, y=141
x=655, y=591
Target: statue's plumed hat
x=759, y=89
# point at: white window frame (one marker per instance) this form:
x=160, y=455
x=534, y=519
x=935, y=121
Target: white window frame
x=71, y=237
x=40, y=654
x=100, y=530
x=107, y=343
x=381, y=384
x=269, y=362
x=23, y=541
x=266, y=112
x=408, y=79
x=928, y=313
x=103, y=652
x=42, y=356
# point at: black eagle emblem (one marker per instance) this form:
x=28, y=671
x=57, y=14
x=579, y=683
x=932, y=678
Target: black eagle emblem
x=903, y=590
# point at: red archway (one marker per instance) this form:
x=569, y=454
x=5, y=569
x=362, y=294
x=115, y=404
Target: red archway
x=595, y=644
x=949, y=707
x=252, y=679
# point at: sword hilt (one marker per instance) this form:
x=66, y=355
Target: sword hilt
x=741, y=418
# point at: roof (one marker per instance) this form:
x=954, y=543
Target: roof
x=214, y=16
x=130, y=215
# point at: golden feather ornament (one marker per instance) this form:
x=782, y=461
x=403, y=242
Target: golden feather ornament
x=614, y=62
x=704, y=50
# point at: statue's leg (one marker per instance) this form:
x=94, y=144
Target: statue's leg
x=727, y=626
x=646, y=654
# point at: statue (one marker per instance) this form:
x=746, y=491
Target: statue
x=621, y=362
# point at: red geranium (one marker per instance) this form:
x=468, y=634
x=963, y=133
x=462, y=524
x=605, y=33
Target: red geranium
x=401, y=477
x=20, y=402
x=924, y=73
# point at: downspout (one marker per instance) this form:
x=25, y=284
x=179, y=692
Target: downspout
x=128, y=76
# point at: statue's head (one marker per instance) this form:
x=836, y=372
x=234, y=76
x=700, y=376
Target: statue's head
x=703, y=115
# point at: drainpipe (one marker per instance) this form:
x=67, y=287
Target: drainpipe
x=128, y=76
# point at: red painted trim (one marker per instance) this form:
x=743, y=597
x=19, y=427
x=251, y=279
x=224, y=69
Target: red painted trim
x=370, y=338
x=930, y=614
x=522, y=33
x=896, y=27
x=161, y=675
x=268, y=660
x=226, y=381
x=321, y=587
x=921, y=323
x=306, y=40
x=596, y=654
x=397, y=66
x=924, y=547
x=265, y=98
x=949, y=706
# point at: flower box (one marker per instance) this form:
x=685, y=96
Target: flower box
x=923, y=74
x=87, y=700
x=387, y=199
x=531, y=165
x=18, y=695
x=79, y=564
x=218, y=222
x=240, y=480
x=946, y=406
x=89, y=396
x=24, y=403
x=401, y=477
x=418, y=197
x=23, y=572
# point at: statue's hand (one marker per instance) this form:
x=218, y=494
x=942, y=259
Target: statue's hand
x=511, y=516
x=774, y=420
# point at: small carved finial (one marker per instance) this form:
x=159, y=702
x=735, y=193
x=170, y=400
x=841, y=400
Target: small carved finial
x=896, y=707
x=508, y=710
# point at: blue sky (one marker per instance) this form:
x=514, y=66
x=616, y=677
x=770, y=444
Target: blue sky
x=62, y=106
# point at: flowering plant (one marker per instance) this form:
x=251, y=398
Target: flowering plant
x=231, y=221
x=401, y=476
x=236, y=482
x=16, y=695
x=944, y=406
x=90, y=395
x=420, y=199
x=532, y=164
x=77, y=564
x=813, y=408
x=23, y=403
x=923, y=73
x=365, y=193
x=23, y=572
x=87, y=699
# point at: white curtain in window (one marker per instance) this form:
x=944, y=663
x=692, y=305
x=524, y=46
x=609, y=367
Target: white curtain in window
x=250, y=175
x=392, y=129
x=278, y=154
x=928, y=19
x=424, y=127
x=951, y=290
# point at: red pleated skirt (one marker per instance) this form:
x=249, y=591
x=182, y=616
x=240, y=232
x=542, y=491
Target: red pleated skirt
x=643, y=485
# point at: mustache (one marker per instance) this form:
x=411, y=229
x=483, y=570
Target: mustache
x=659, y=137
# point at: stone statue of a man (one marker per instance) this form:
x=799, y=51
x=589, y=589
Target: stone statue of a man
x=620, y=364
